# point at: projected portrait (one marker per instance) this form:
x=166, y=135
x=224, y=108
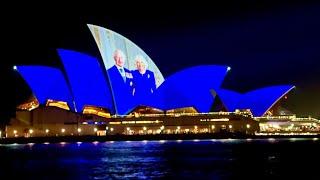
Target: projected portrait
x=143, y=79
x=120, y=78
x=133, y=75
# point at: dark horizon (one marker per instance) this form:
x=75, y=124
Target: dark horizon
x=266, y=43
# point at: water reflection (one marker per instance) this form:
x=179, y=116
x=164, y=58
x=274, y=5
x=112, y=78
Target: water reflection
x=203, y=159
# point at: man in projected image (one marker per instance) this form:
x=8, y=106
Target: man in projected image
x=121, y=81
x=143, y=79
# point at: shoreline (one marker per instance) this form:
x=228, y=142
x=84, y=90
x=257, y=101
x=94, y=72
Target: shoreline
x=58, y=139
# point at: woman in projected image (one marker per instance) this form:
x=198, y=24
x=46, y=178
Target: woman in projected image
x=144, y=82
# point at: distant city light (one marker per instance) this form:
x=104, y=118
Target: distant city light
x=79, y=130
x=15, y=68
x=30, y=131
x=229, y=68
x=95, y=129
x=248, y=126
x=63, y=130
x=111, y=129
x=47, y=130
x=144, y=128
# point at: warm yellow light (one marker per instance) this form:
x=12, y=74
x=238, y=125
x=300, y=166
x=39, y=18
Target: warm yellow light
x=79, y=130
x=111, y=129
x=178, y=127
x=162, y=127
x=248, y=126
x=196, y=127
x=128, y=129
x=63, y=130
x=15, y=131
x=47, y=130
x=115, y=123
x=144, y=128
x=30, y=131
x=230, y=126
x=212, y=127
x=95, y=129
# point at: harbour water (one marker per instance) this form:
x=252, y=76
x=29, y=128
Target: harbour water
x=174, y=159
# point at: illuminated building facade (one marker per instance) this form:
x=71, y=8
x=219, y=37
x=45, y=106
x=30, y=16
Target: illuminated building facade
x=103, y=92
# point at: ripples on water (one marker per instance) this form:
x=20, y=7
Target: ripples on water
x=194, y=159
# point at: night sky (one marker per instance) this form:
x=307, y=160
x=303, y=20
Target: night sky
x=265, y=43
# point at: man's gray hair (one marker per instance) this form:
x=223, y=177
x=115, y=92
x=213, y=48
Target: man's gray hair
x=118, y=51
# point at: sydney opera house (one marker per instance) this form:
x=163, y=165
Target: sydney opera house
x=124, y=92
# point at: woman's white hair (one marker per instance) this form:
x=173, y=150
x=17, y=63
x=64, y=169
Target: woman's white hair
x=141, y=59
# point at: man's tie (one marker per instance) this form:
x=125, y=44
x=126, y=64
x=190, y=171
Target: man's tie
x=122, y=74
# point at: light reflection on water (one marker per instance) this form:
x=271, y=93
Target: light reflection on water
x=203, y=159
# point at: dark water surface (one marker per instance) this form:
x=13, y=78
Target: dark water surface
x=193, y=159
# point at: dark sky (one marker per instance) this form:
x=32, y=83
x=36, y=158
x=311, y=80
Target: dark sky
x=265, y=42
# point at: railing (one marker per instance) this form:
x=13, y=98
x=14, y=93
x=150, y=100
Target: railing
x=290, y=118
x=181, y=114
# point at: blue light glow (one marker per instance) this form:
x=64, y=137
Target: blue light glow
x=46, y=83
x=190, y=88
x=87, y=81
